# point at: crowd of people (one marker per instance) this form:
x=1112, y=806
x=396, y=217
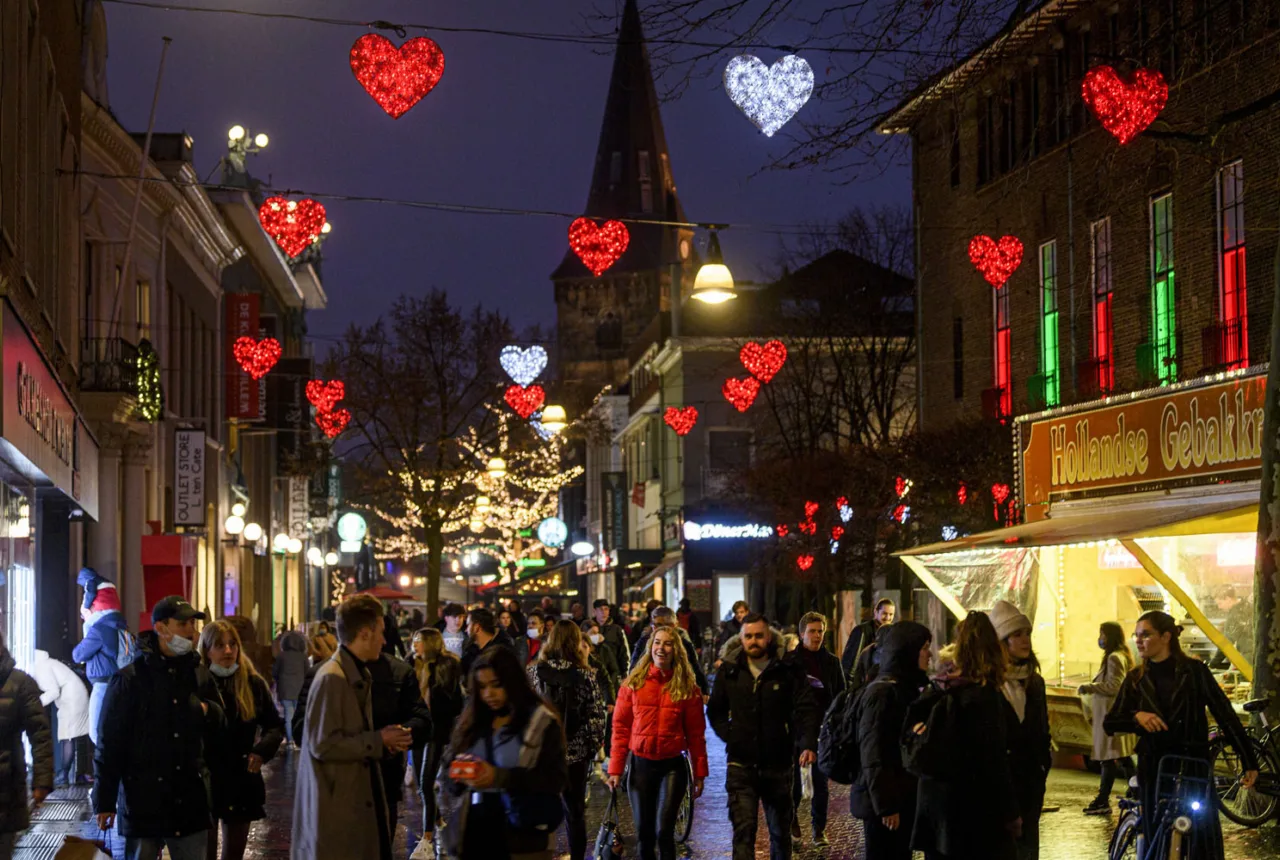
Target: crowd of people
x=499, y=720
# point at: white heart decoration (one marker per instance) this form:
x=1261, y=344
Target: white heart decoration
x=768, y=95
x=523, y=365
x=535, y=421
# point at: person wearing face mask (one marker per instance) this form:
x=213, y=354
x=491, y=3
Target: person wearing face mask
x=153, y=737
x=533, y=636
x=252, y=737
x=1112, y=752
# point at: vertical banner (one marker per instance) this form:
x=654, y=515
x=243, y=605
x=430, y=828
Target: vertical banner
x=288, y=410
x=188, y=478
x=243, y=402
x=299, y=504
x=613, y=510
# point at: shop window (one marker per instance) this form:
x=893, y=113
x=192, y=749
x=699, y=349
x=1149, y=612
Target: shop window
x=1050, y=370
x=1002, y=350
x=142, y=296
x=1232, y=299
x=728, y=450
x=1163, y=294
x=1103, y=333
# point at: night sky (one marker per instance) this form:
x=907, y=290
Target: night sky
x=512, y=123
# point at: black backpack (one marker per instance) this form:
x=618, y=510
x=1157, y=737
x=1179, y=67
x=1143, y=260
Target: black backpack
x=565, y=698
x=839, y=753
x=929, y=736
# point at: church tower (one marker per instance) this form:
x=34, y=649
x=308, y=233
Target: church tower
x=599, y=319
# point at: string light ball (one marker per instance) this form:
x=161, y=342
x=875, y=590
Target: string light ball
x=553, y=532
x=995, y=260
x=769, y=95
x=397, y=78
x=256, y=357
x=333, y=423
x=763, y=361
x=1125, y=108
x=293, y=224
x=741, y=392
x=681, y=420
x=523, y=365
x=598, y=247
x=324, y=396
x=525, y=400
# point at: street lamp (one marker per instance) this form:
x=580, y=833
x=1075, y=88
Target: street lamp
x=554, y=419
x=238, y=509
x=331, y=558
x=497, y=468
x=240, y=145
x=252, y=532
x=714, y=282
x=315, y=556
x=482, y=504
x=294, y=546
x=233, y=525
x=280, y=543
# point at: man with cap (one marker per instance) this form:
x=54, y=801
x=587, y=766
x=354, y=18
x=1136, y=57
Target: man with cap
x=615, y=637
x=150, y=761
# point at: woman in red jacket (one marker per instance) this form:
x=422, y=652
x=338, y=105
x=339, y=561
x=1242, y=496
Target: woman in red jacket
x=657, y=719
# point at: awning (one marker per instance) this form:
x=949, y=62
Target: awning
x=658, y=572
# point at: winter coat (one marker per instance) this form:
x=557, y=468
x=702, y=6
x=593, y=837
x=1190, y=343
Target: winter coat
x=867, y=666
x=239, y=795
x=606, y=674
x=92, y=583
x=615, y=639
x=883, y=787
x=962, y=815
x=472, y=651
x=62, y=687
x=1102, y=695
x=100, y=645
x=397, y=700
x=859, y=638
x=764, y=720
x=830, y=681
x=647, y=723
x=153, y=738
x=586, y=703
x=21, y=711
x=1030, y=751
x=334, y=817
x=728, y=629
x=290, y=667
x=642, y=645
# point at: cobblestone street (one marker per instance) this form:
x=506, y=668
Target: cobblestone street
x=1065, y=834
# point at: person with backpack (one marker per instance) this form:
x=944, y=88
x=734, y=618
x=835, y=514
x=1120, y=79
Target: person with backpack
x=107, y=646
x=865, y=633
x=439, y=674
x=657, y=721
x=826, y=679
x=955, y=742
x=1114, y=753
x=562, y=675
x=884, y=794
x=506, y=769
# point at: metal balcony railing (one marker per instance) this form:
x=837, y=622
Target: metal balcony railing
x=108, y=364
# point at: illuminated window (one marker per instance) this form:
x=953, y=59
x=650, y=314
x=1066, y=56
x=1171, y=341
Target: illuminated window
x=1163, y=313
x=1232, y=305
x=1049, y=367
x=1003, y=367
x=1100, y=233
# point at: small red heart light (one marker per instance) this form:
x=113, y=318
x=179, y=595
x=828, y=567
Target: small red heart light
x=293, y=224
x=333, y=423
x=525, y=400
x=325, y=395
x=999, y=492
x=256, y=357
x=804, y=562
x=397, y=78
x=741, y=392
x=810, y=508
x=763, y=361
x=681, y=420
x=1125, y=108
x=996, y=260
x=783, y=531
x=837, y=532
x=808, y=527
x=598, y=247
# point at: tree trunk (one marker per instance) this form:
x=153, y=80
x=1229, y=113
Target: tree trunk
x=435, y=557
x=1266, y=636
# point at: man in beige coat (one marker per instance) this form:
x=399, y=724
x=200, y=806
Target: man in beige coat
x=339, y=810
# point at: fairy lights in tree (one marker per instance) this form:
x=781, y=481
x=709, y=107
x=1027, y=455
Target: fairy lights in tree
x=598, y=246
x=150, y=406
x=396, y=78
x=768, y=95
x=1125, y=108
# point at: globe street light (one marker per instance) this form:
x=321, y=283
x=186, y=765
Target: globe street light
x=714, y=282
x=295, y=546
x=315, y=557
x=233, y=525
x=331, y=558
x=554, y=419
x=280, y=543
x=497, y=468
x=253, y=532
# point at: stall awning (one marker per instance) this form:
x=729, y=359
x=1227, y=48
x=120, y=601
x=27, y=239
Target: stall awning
x=1137, y=521
x=659, y=571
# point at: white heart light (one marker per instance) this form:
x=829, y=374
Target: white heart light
x=768, y=95
x=523, y=365
x=535, y=421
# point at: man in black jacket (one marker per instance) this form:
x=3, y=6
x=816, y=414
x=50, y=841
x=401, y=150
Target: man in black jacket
x=152, y=742
x=485, y=636
x=826, y=679
x=615, y=638
x=865, y=633
x=665, y=616
x=397, y=700
x=763, y=709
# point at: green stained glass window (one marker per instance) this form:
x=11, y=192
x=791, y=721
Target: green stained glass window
x=1050, y=368
x=1164, y=324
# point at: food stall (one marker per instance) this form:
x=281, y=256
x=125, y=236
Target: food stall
x=1145, y=501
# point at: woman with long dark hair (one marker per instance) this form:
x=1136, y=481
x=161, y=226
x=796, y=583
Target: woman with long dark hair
x=973, y=814
x=1163, y=701
x=1113, y=753
x=505, y=768
x=253, y=735
x=440, y=681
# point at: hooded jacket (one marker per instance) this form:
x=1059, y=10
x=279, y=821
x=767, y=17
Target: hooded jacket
x=100, y=645
x=584, y=717
x=884, y=787
x=62, y=687
x=290, y=668
x=642, y=645
x=763, y=720
x=21, y=711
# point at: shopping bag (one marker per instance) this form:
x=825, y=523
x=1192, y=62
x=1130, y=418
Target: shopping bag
x=609, y=840
x=806, y=782
x=75, y=848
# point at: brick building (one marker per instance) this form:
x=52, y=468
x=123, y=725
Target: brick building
x=1002, y=144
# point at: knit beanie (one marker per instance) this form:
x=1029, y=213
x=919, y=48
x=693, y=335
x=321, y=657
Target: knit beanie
x=1008, y=619
x=106, y=598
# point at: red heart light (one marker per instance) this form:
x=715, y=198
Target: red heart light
x=1124, y=108
x=783, y=530
x=999, y=492
x=333, y=423
x=293, y=224
x=741, y=392
x=837, y=532
x=397, y=78
x=763, y=361
x=808, y=527
x=256, y=357
x=810, y=508
x=325, y=395
x=995, y=260
x=598, y=247
x=804, y=562
x=681, y=420
x=525, y=400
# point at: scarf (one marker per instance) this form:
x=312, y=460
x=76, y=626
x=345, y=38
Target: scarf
x=1015, y=688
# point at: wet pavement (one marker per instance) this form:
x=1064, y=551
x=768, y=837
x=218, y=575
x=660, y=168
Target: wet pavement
x=1065, y=834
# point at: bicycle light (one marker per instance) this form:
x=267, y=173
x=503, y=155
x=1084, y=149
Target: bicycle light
x=1182, y=824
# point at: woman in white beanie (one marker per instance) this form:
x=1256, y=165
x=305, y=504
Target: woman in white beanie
x=1029, y=753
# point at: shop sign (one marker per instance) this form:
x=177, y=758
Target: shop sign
x=613, y=509
x=188, y=478
x=1194, y=435
x=720, y=531
x=287, y=408
x=298, y=514
x=243, y=399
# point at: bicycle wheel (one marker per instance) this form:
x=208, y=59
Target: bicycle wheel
x=1124, y=842
x=1248, y=807
x=684, y=818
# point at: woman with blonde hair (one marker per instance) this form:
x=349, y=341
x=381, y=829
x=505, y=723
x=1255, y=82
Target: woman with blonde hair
x=440, y=679
x=252, y=737
x=659, y=718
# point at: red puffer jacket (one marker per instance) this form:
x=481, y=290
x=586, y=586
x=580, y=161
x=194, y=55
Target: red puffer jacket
x=647, y=723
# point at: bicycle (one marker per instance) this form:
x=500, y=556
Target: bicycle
x=1248, y=807
x=1182, y=798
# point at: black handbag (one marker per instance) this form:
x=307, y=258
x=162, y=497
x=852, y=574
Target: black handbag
x=609, y=840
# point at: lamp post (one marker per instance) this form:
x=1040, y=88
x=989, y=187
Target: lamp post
x=240, y=145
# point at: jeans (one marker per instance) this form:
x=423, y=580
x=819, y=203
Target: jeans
x=749, y=786
x=575, y=807
x=1110, y=769
x=886, y=844
x=190, y=847
x=656, y=788
x=289, y=705
x=817, y=806
x=95, y=708
x=64, y=763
